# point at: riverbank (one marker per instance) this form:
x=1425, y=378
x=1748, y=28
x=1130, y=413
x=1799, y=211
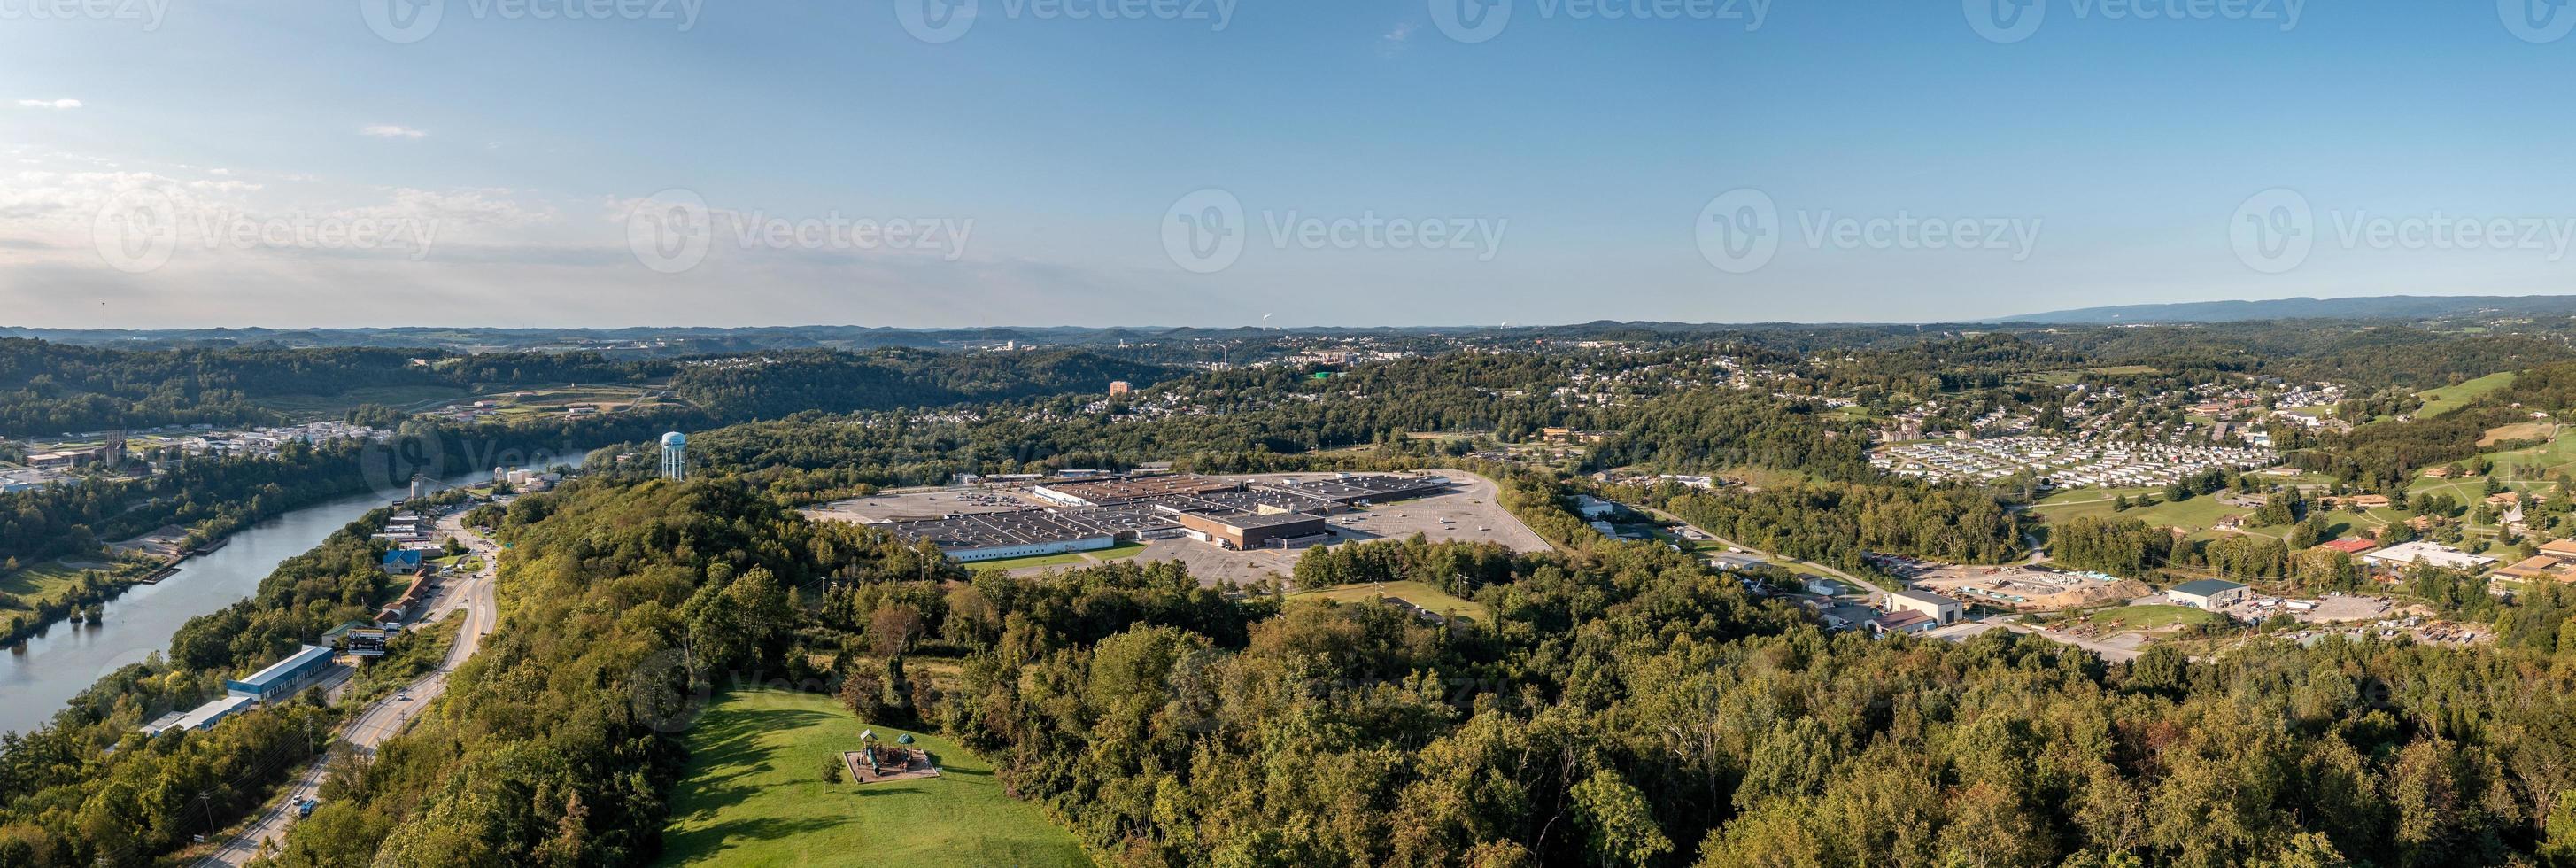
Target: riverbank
x=51, y=666
x=95, y=587
x=40, y=595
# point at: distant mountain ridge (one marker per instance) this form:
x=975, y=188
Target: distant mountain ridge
x=2367, y=307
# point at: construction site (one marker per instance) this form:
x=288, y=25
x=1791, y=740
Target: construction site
x=2028, y=589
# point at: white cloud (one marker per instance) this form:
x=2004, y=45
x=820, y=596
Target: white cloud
x=1394, y=40
x=392, y=131
x=49, y=103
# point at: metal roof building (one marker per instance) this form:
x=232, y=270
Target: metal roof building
x=283, y=678
x=2209, y=593
x=201, y=718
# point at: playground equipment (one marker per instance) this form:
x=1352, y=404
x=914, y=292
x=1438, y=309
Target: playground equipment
x=876, y=760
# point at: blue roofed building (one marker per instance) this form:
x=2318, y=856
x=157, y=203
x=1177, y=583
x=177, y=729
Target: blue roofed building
x=402, y=562
x=286, y=677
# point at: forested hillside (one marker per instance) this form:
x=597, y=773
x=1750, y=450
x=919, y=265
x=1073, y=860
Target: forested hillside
x=1625, y=706
x=1619, y=704
x=48, y=388
x=779, y=384
x=88, y=789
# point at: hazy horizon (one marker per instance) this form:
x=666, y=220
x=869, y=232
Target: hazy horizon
x=940, y=163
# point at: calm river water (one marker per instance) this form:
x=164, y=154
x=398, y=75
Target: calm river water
x=38, y=677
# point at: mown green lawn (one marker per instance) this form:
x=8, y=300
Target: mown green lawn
x=2152, y=617
x=754, y=796
x=311, y=406
x=1417, y=593
x=2449, y=398
x=2524, y=469
x=46, y=580
x=2198, y=513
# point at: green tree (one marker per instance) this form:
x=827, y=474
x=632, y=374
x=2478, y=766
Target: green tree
x=1620, y=824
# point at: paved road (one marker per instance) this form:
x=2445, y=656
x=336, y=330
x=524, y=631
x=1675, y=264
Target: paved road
x=1864, y=584
x=1959, y=632
x=473, y=596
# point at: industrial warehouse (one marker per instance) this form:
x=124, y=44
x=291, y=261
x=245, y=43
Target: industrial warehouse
x=279, y=681
x=1097, y=514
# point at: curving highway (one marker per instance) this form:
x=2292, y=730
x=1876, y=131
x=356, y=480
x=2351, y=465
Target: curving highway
x=473, y=596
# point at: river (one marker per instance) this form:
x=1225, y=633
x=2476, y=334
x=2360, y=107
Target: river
x=37, y=678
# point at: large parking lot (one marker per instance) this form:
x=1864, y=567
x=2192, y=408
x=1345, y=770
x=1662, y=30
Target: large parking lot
x=1467, y=513
x=924, y=504
x=1470, y=512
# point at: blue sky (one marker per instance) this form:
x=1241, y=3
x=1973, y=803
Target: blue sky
x=842, y=168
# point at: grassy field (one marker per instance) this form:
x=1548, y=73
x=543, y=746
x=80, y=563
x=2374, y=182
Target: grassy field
x=2518, y=431
x=2152, y=617
x=754, y=796
x=317, y=406
x=2196, y=514
x=2449, y=398
x=47, y=580
x=1121, y=550
x=2539, y=461
x=1416, y=593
